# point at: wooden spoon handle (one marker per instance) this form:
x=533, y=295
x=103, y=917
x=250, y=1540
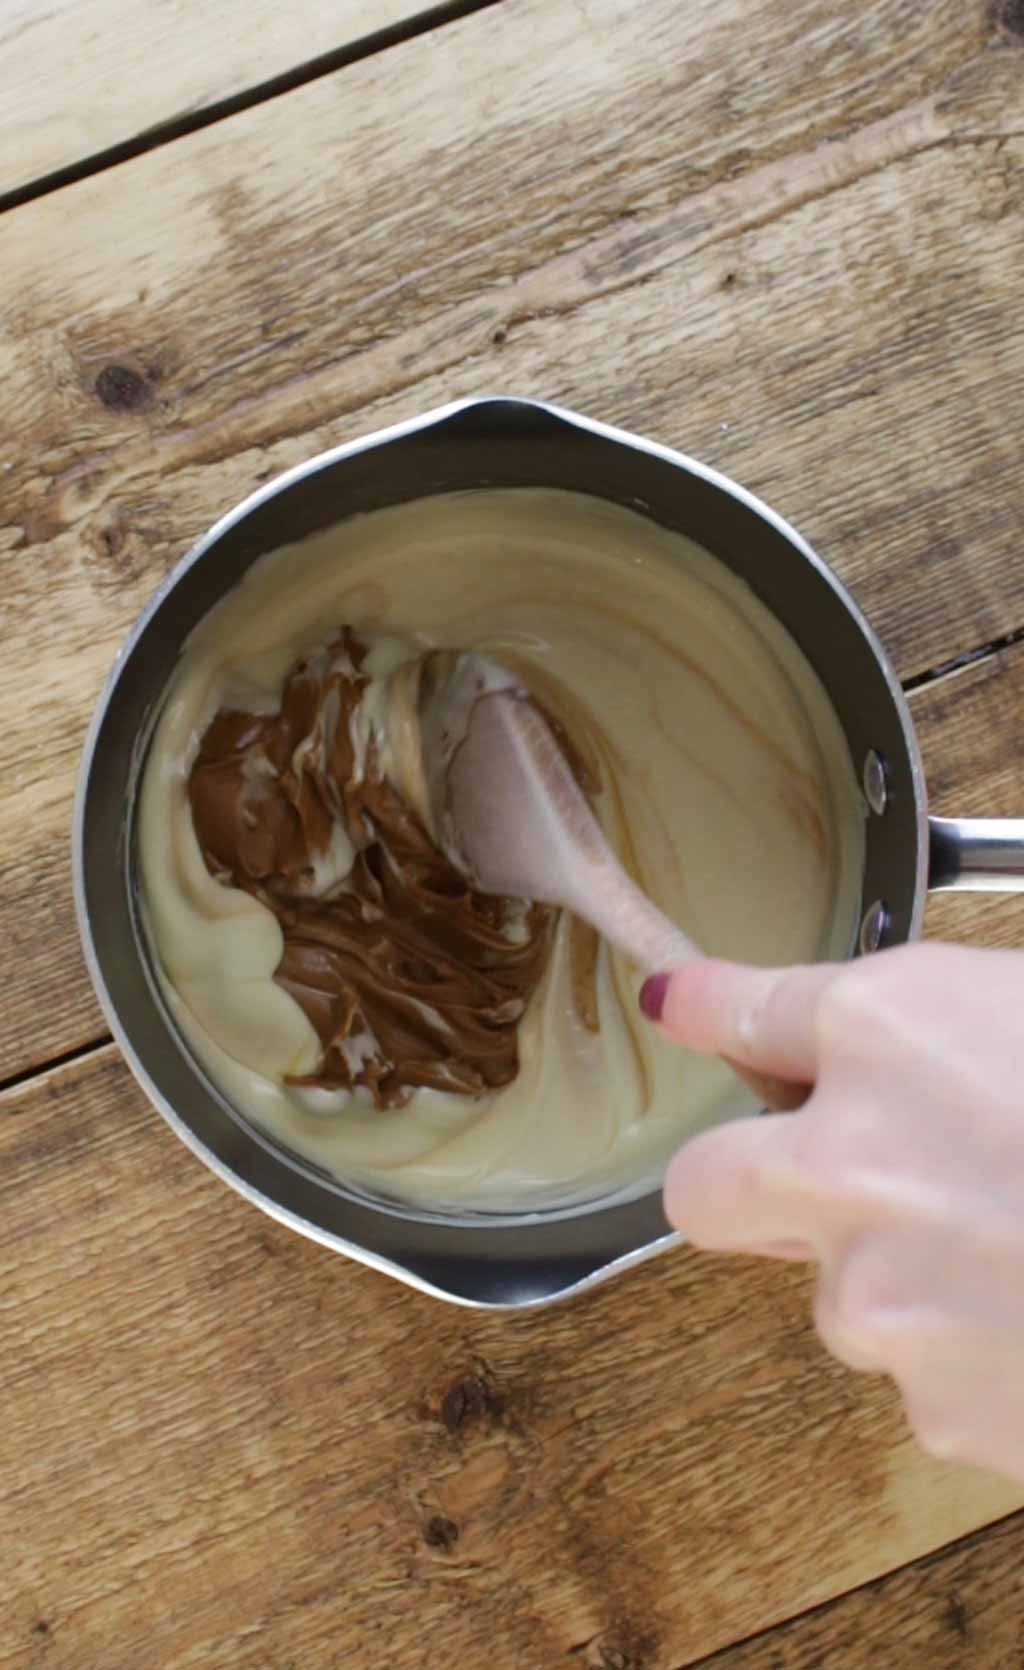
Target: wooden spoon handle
x=628, y=919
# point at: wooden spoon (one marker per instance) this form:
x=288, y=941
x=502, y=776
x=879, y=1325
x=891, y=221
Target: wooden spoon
x=501, y=800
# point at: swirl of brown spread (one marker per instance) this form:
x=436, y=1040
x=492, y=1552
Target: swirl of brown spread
x=410, y=978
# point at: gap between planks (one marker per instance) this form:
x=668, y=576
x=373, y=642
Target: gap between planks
x=275, y=87
x=15, y=1081
x=923, y=1562
x=959, y=663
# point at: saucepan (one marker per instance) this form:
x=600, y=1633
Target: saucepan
x=512, y=1262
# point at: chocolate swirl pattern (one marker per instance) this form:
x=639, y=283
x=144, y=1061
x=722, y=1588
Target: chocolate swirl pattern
x=411, y=979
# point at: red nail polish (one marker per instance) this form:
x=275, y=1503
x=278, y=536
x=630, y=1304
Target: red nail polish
x=652, y=996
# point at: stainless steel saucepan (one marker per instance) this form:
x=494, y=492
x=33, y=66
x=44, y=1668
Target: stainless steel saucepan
x=500, y=1262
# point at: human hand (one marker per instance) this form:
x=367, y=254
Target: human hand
x=902, y=1176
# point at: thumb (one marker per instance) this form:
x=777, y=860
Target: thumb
x=764, y=1018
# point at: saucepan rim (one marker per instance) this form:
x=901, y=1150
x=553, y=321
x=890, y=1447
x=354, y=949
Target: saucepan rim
x=201, y=548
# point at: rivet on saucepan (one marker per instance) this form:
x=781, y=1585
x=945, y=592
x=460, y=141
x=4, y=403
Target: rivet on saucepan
x=872, y=928
x=876, y=788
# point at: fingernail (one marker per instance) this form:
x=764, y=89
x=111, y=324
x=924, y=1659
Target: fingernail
x=652, y=996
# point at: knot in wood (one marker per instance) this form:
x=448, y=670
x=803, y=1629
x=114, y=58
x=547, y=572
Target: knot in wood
x=1009, y=15
x=121, y=389
x=468, y=1400
x=440, y=1532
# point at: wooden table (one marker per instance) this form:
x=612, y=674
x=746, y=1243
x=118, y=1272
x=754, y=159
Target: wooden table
x=786, y=235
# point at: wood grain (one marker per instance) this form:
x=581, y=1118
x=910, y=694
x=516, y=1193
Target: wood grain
x=970, y=725
x=962, y=1609
x=783, y=236
x=225, y=1447
x=80, y=76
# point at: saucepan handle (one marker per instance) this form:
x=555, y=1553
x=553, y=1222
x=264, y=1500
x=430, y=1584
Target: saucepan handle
x=979, y=855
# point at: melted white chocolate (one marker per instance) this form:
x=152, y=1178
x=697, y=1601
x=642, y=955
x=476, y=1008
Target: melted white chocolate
x=727, y=790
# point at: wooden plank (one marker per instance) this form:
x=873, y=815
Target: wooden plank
x=962, y=1609
x=225, y=1447
x=652, y=225
x=970, y=725
x=81, y=76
